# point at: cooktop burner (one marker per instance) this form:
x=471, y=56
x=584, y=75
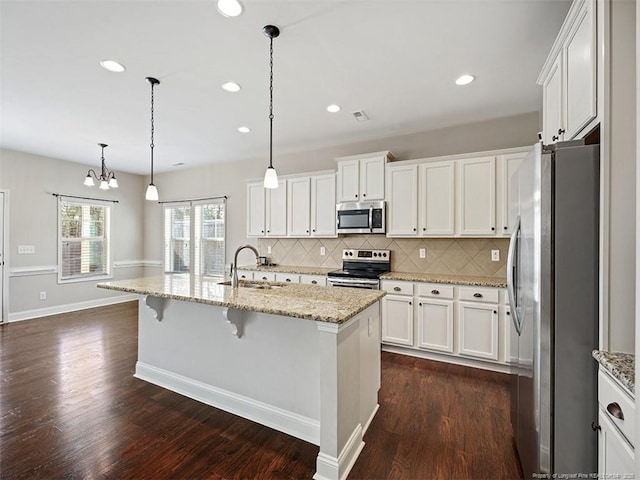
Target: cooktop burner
x=363, y=264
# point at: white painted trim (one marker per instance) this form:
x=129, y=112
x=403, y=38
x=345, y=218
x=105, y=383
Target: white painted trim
x=368, y=424
x=332, y=468
x=299, y=426
x=70, y=307
x=475, y=363
x=136, y=263
x=463, y=156
x=4, y=291
x=152, y=263
x=31, y=271
x=336, y=328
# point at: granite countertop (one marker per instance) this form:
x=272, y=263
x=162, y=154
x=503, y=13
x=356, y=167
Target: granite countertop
x=449, y=279
x=405, y=276
x=323, y=304
x=620, y=366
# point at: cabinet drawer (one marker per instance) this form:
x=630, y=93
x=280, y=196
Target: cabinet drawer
x=287, y=277
x=434, y=290
x=319, y=280
x=245, y=275
x=397, y=288
x=485, y=295
x=613, y=399
x=268, y=276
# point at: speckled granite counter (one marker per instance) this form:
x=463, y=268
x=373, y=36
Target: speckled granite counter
x=449, y=279
x=324, y=304
x=288, y=269
x=620, y=366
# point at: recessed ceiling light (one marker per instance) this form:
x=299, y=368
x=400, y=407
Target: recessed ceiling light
x=465, y=79
x=229, y=8
x=244, y=129
x=231, y=87
x=112, y=66
x=333, y=108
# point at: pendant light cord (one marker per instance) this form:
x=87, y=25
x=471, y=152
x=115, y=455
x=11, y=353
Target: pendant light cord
x=104, y=168
x=271, y=103
x=151, y=145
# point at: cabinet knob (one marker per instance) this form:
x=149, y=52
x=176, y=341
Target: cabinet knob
x=243, y=276
x=314, y=282
x=313, y=230
x=506, y=228
x=595, y=427
x=410, y=303
x=396, y=289
x=268, y=231
x=435, y=292
x=508, y=313
x=495, y=312
x=356, y=195
x=308, y=231
x=554, y=138
x=477, y=295
x=414, y=229
x=420, y=304
x=493, y=228
x=614, y=409
x=424, y=229
x=364, y=194
x=561, y=131
x=261, y=231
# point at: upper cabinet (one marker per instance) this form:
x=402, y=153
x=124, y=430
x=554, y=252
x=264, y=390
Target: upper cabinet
x=299, y=211
x=568, y=78
x=323, y=200
x=266, y=210
x=361, y=177
x=402, y=196
x=477, y=196
x=508, y=165
x=437, y=198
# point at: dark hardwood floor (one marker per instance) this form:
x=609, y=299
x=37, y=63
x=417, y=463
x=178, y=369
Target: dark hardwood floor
x=70, y=408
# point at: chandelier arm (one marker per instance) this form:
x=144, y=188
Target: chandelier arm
x=93, y=173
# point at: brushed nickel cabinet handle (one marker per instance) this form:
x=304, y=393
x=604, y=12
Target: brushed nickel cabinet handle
x=614, y=409
x=314, y=282
x=435, y=292
x=477, y=295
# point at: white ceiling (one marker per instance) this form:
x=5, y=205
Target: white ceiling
x=396, y=60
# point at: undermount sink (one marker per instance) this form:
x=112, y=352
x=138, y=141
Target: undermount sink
x=256, y=285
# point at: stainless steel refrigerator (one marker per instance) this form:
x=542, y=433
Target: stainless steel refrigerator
x=552, y=277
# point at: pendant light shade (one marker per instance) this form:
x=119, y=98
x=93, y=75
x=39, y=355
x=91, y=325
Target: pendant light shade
x=270, y=176
x=152, y=191
x=107, y=178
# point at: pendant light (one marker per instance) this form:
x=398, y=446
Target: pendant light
x=152, y=191
x=107, y=178
x=270, y=176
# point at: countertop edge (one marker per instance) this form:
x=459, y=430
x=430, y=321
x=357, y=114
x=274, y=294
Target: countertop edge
x=619, y=365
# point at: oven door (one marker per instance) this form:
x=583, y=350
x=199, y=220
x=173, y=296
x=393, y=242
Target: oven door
x=368, y=283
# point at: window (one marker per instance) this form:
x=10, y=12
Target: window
x=84, y=251
x=203, y=222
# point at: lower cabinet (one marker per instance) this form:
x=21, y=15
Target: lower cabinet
x=397, y=319
x=435, y=324
x=268, y=276
x=320, y=280
x=615, y=455
x=288, y=277
x=478, y=335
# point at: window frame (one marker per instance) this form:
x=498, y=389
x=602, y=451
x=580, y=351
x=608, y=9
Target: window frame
x=108, y=264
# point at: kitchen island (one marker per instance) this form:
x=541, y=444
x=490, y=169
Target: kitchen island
x=301, y=359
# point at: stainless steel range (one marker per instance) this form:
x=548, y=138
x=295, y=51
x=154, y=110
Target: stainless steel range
x=361, y=269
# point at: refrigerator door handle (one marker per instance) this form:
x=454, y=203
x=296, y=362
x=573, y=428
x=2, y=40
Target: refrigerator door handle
x=511, y=273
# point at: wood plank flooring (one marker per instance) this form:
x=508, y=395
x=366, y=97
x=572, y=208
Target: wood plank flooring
x=70, y=408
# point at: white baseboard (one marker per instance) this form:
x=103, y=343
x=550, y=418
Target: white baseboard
x=373, y=414
x=465, y=362
x=331, y=468
x=69, y=307
x=299, y=426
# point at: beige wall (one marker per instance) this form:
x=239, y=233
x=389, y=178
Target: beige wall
x=33, y=216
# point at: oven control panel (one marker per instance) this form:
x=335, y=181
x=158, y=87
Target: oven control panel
x=353, y=254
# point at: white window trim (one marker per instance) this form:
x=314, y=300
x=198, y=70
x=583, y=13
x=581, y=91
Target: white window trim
x=88, y=278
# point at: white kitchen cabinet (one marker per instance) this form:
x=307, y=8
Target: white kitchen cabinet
x=323, y=200
x=615, y=454
x=245, y=275
x=276, y=210
x=568, y=77
x=255, y=210
x=402, y=197
x=436, y=187
x=299, y=211
x=361, y=177
x=266, y=276
x=476, y=196
x=319, y=280
x=288, y=277
x=435, y=324
x=509, y=165
x=478, y=330
x=397, y=319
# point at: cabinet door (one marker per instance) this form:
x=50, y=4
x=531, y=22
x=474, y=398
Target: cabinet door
x=348, y=179
x=288, y=277
x=320, y=280
x=402, y=194
x=323, y=201
x=552, y=107
x=615, y=455
x=478, y=330
x=277, y=210
x=397, y=320
x=255, y=210
x=299, y=211
x=477, y=196
x=435, y=324
x=245, y=275
x=372, y=178
x=437, y=190
x=509, y=204
x=580, y=61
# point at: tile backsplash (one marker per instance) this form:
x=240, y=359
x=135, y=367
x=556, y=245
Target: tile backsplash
x=457, y=256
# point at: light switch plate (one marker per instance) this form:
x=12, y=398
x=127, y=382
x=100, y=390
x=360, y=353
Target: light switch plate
x=323, y=251
x=26, y=249
x=423, y=253
x=495, y=255
x=269, y=249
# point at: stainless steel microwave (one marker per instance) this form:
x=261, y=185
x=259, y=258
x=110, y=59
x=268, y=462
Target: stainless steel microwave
x=361, y=217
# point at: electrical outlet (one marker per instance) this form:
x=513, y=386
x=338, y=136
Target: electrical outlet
x=323, y=251
x=26, y=249
x=495, y=255
x=269, y=249
x=423, y=253
x=43, y=295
